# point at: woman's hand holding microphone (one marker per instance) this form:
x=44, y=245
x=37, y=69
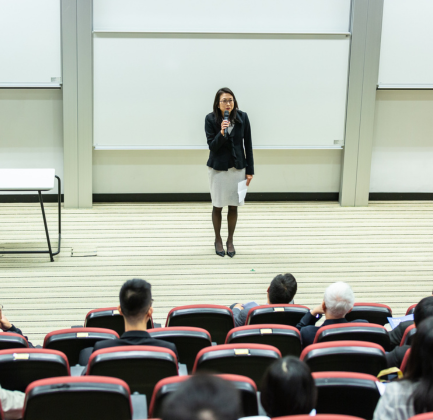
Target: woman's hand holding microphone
x=224, y=125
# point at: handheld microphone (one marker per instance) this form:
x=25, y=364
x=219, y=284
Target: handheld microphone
x=226, y=118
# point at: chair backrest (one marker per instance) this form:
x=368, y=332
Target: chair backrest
x=358, y=331
x=404, y=361
x=249, y=360
x=188, y=340
x=358, y=393
x=408, y=335
x=318, y=417
x=110, y=319
x=71, y=341
x=216, y=319
x=411, y=309
x=285, y=338
x=423, y=416
x=12, y=341
x=374, y=313
x=345, y=356
x=20, y=367
x=72, y=398
x=141, y=367
x=285, y=314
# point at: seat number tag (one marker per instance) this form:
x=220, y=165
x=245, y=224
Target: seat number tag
x=278, y=309
x=242, y=352
x=82, y=335
x=266, y=331
x=116, y=312
x=21, y=356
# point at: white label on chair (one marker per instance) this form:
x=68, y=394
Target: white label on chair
x=278, y=309
x=266, y=331
x=21, y=356
x=82, y=335
x=242, y=352
x=116, y=312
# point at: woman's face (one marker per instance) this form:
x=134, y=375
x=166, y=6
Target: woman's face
x=227, y=103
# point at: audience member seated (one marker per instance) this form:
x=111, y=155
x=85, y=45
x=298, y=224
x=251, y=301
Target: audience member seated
x=288, y=388
x=12, y=403
x=136, y=307
x=281, y=290
x=203, y=397
x=423, y=310
x=414, y=394
x=337, y=302
x=6, y=326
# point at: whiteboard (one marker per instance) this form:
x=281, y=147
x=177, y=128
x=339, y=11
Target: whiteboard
x=30, y=50
x=406, y=53
x=152, y=91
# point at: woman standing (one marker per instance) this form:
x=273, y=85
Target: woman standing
x=230, y=161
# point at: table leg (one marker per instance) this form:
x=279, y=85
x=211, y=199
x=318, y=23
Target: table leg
x=59, y=204
x=46, y=227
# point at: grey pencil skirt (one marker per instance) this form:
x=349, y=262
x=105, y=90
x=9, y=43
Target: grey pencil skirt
x=224, y=186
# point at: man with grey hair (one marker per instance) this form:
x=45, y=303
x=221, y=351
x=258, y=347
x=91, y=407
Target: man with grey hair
x=337, y=302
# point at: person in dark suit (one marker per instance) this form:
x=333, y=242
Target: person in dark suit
x=423, y=310
x=337, y=302
x=230, y=162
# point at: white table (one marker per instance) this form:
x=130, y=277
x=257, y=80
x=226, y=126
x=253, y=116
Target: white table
x=33, y=180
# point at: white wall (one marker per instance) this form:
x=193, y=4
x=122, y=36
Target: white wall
x=31, y=129
x=402, y=159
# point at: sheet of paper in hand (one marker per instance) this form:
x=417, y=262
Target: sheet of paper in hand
x=242, y=191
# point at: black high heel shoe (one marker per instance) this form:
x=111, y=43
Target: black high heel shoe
x=220, y=253
x=229, y=253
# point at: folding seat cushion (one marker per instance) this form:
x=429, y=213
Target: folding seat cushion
x=71, y=341
x=358, y=331
x=12, y=341
x=358, y=393
x=345, y=356
x=411, y=309
x=216, y=319
x=285, y=314
x=405, y=359
x=20, y=367
x=423, y=416
x=318, y=417
x=188, y=340
x=141, y=367
x=73, y=398
x=408, y=335
x=245, y=385
x=284, y=337
x=249, y=360
x=374, y=313
x=109, y=318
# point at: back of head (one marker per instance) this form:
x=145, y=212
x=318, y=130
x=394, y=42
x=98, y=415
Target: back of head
x=288, y=388
x=420, y=366
x=282, y=289
x=135, y=298
x=423, y=310
x=203, y=397
x=339, y=299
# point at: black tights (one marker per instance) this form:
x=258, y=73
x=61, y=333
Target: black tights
x=232, y=218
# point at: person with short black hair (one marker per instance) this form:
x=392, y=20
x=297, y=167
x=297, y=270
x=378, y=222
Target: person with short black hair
x=288, y=388
x=281, y=290
x=203, y=397
x=414, y=394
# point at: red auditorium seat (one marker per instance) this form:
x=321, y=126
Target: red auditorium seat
x=12, y=341
x=404, y=361
x=285, y=314
x=108, y=318
x=411, y=309
x=73, y=398
x=71, y=341
x=284, y=337
x=1, y=412
x=216, y=319
x=188, y=340
x=357, y=393
x=245, y=385
x=20, y=367
x=358, y=331
x=318, y=417
x=374, y=313
x=249, y=360
x=408, y=335
x=345, y=356
x=423, y=416
x=141, y=367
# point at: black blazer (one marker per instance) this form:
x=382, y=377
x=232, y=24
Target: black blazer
x=397, y=333
x=223, y=148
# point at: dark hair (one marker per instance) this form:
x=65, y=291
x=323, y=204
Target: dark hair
x=420, y=367
x=288, y=388
x=423, y=310
x=217, y=112
x=282, y=289
x=203, y=397
x=135, y=298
